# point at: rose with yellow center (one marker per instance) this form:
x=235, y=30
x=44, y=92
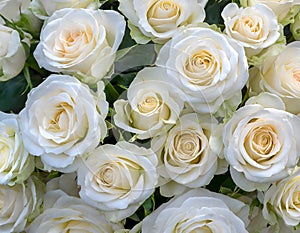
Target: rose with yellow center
x=188, y=153
x=159, y=20
x=82, y=42
x=279, y=74
x=117, y=179
x=63, y=119
x=254, y=27
x=284, y=197
x=151, y=106
x=208, y=67
x=261, y=145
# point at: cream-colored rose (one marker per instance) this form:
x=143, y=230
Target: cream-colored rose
x=81, y=42
x=152, y=104
x=12, y=53
x=283, y=198
x=261, y=146
x=254, y=27
x=280, y=75
x=18, y=205
x=188, y=153
x=12, y=9
x=44, y=8
x=16, y=164
x=207, y=66
x=118, y=178
x=63, y=213
x=160, y=20
x=62, y=120
x=285, y=10
x=198, y=210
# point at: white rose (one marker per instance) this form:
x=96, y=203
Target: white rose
x=12, y=9
x=261, y=146
x=282, y=8
x=16, y=164
x=18, y=204
x=207, y=66
x=254, y=27
x=61, y=121
x=118, y=178
x=12, y=53
x=283, y=198
x=188, y=153
x=152, y=104
x=63, y=213
x=198, y=210
x=44, y=8
x=280, y=75
x=160, y=20
x=80, y=41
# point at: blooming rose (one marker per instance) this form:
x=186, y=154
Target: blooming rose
x=118, y=178
x=207, y=66
x=284, y=9
x=11, y=9
x=80, y=41
x=198, y=210
x=280, y=75
x=261, y=145
x=283, y=198
x=16, y=164
x=44, y=8
x=62, y=119
x=254, y=27
x=160, y=20
x=188, y=153
x=12, y=53
x=152, y=104
x=63, y=213
x=18, y=204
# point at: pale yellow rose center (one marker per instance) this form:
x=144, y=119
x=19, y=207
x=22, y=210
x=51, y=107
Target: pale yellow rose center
x=149, y=104
x=60, y=119
x=188, y=147
x=262, y=143
x=106, y=175
x=163, y=14
x=70, y=43
x=118, y=175
x=200, y=68
x=249, y=26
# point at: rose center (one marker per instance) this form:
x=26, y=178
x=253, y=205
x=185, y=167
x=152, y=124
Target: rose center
x=188, y=147
x=61, y=118
x=105, y=176
x=248, y=26
x=262, y=143
x=163, y=14
x=200, y=67
x=149, y=104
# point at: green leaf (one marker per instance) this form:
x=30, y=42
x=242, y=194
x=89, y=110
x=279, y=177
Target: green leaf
x=213, y=11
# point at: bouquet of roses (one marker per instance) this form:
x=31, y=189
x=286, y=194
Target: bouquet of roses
x=149, y=116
